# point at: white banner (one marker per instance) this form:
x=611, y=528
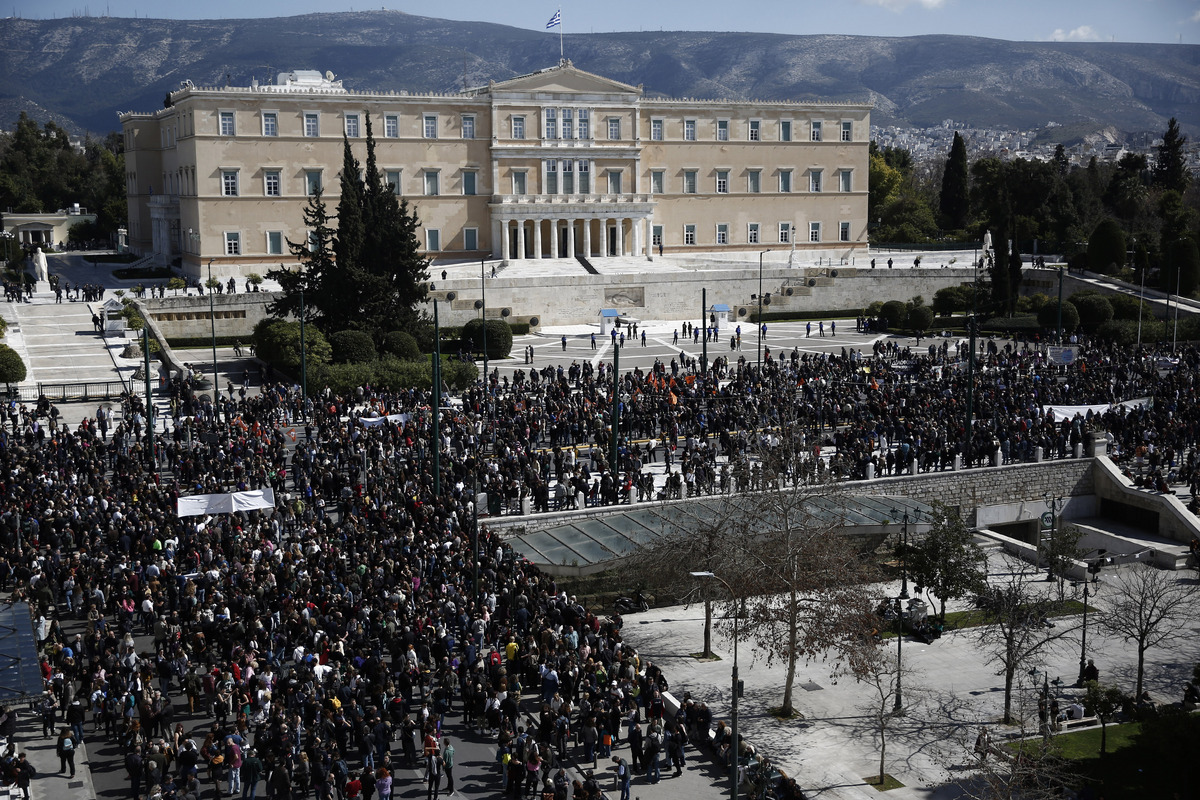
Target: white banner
x=201, y=504
x=374, y=422
x=1069, y=412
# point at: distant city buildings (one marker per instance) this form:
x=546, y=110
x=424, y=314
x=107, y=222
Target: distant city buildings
x=928, y=145
x=558, y=163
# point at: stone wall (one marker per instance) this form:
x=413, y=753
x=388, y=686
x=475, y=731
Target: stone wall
x=575, y=298
x=188, y=317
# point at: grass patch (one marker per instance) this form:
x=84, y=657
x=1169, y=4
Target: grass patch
x=702, y=657
x=1085, y=744
x=140, y=273
x=889, y=783
x=973, y=617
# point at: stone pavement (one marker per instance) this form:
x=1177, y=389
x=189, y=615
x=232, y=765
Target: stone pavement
x=953, y=689
x=49, y=783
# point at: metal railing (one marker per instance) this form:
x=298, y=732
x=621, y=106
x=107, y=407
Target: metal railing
x=86, y=391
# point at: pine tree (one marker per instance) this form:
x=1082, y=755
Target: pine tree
x=317, y=271
x=1170, y=168
x=955, y=204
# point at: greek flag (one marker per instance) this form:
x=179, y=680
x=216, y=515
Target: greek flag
x=555, y=21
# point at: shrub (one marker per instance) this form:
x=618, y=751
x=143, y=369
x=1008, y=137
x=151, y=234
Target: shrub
x=1033, y=303
x=346, y=377
x=12, y=368
x=175, y=284
x=401, y=345
x=499, y=337
x=948, y=300
x=278, y=342
x=1094, y=310
x=895, y=312
x=920, y=318
x=874, y=309
x=519, y=328
x=1047, y=316
x=1125, y=331
x=1125, y=306
x=352, y=347
x=1106, y=247
x=422, y=331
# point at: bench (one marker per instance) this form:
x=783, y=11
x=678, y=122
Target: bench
x=1082, y=722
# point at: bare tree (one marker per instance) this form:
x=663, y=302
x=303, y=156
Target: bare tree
x=804, y=585
x=1148, y=607
x=692, y=537
x=1017, y=632
x=878, y=668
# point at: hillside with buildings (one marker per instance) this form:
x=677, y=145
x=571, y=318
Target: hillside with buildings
x=85, y=69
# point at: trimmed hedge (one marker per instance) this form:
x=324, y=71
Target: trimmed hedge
x=785, y=316
x=390, y=373
x=352, y=347
x=499, y=337
x=401, y=345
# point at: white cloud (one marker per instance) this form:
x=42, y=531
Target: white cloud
x=1196, y=16
x=900, y=5
x=1084, y=33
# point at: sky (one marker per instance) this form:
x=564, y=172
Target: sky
x=1169, y=21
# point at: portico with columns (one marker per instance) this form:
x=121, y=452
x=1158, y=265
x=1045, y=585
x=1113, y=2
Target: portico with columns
x=588, y=230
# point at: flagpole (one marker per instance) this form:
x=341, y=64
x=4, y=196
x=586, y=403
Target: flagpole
x=560, y=35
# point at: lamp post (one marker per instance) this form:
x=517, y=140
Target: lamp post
x=733, y=705
x=1058, y=334
x=760, y=306
x=1052, y=555
x=898, y=707
x=1141, y=302
x=1093, y=568
x=212, y=319
x=904, y=551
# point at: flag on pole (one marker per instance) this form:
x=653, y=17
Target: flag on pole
x=555, y=21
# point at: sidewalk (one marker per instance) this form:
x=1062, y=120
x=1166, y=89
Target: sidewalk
x=953, y=689
x=49, y=783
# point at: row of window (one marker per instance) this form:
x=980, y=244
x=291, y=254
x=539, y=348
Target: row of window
x=754, y=233
x=352, y=123
x=275, y=241
x=690, y=182
x=561, y=177
x=559, y=123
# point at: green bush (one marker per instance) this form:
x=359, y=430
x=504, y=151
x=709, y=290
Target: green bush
x=1125, y=306
x=1106, y=247
x=947, y=300
x=519, y=328
x=920, y=318
x=277, y=341
x=895, y=312
x=499, y=337
x=352, y=347
x=1124, y=332
x=1094, y=310
x=197, y=342
x=12, y=368
x=401, y=345
x=1019, y=323
x=1047, y=316
x=1033, y=303
x=346, y=377
x=390, y=372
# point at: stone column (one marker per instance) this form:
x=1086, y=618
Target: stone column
x=587, y=238
x=554, y=223
x=620, y=237
x=635, y=235
x=570, y=238
x=520, y=238
x=537, y=238
x=505, y=232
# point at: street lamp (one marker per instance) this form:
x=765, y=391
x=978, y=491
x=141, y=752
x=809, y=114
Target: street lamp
x=1093, y=568
x=760, y=306
x=1052, y=555
x=733, y=712
x=904, y=550
x=898, y=707
x=212, y=318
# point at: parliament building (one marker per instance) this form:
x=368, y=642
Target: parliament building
x=559, y=163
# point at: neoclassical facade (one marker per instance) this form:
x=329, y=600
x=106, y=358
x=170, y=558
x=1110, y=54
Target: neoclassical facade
x=559, y=163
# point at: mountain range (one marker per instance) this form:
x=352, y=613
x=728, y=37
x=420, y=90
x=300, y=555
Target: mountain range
x=82, y=71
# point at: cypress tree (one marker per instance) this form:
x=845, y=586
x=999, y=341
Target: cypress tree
x=955, y=202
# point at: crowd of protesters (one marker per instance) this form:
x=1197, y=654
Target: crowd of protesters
x=323, y=645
